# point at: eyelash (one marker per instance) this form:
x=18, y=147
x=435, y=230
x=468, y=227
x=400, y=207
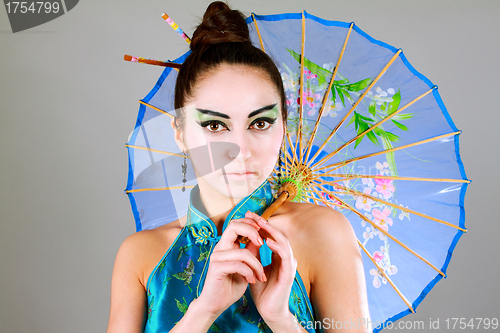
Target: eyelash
x=207, y=123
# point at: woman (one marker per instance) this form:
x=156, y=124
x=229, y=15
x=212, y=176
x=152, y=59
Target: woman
x=192, y=275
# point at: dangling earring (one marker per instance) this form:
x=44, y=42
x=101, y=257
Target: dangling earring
x=184, y=169
x=279, y=167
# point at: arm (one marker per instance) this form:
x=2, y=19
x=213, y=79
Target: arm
x=338, y=289
x=230, y=270
x=128, y=296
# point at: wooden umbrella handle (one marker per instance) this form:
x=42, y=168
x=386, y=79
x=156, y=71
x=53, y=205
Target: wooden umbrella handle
x=288, y=191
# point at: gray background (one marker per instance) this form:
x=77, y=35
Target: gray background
x=68, y=102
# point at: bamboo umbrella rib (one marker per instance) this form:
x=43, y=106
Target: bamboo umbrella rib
x=289, y=139
x=301, y=91
x=155, y=108
x=263, y=49
x=327, y=92
x=357, y=102
x=387, y=277
x=357, y=193
x=154, y=150
x=341, y=164
x=325, y=202
x=369, y=255
x=159, y=189
x=329, y=204
x=354, y=176
x=354, y=210
x=258, y=33
x=324, y=159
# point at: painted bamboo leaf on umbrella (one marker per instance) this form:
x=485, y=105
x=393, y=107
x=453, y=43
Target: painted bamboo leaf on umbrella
x=340, y=87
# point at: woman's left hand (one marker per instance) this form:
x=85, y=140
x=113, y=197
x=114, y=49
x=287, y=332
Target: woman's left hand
x=271, y=298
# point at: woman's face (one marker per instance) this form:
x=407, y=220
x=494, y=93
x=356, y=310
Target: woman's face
x=236, y=111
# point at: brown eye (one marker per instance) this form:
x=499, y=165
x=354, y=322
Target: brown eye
x=214, y=126
x=262, y=124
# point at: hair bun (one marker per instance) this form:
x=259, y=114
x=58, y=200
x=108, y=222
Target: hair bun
x=220, y=25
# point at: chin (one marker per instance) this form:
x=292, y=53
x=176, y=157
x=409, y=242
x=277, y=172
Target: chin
x=238, y=189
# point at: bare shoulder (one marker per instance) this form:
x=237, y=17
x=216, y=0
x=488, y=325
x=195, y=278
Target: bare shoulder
x=312, y=221
x=140, y=252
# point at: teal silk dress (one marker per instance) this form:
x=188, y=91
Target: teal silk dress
x=180, y=275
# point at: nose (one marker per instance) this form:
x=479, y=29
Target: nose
x=241, y=151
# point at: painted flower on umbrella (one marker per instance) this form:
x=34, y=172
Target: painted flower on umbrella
x=368, y=182
x=383, y=262
x=290, y=100
x=382, y=168
x=381, y=96
x=363, y=202
x=403, y=213
x=328, y=197
x=332, y=107
x=310, y=99
x=290, y=79
x=382, y=219
x=309, y=75
x=385, y=187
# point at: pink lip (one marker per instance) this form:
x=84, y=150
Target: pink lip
x=238, y=176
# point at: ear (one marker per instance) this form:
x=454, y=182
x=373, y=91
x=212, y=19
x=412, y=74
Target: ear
x=178, y=136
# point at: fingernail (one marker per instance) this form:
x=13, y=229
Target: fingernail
x=256, y=226
x=269, y=240
x=264, y=278
x=263, y=220
x=260, y=241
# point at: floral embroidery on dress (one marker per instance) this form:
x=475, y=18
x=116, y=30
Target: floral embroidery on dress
x=202, y=235
x=187, y=274
x=150, y=306
x=204, y=255
x=263, y=328
x=214, y=328
x=183, y=251
x=259, y=201
x=182, y=306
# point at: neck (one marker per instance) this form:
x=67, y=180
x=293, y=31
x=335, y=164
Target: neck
x=215, y=205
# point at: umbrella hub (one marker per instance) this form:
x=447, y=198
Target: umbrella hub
x=297, y=182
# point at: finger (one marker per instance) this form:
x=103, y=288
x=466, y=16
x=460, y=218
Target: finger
x=272, y=231
x=242, y=255
x=233, y=230
x=288, y=261
x=234, y=267
x=253, y=249
x=250, y=222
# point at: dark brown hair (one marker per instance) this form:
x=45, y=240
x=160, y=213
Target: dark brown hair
x=222, y=38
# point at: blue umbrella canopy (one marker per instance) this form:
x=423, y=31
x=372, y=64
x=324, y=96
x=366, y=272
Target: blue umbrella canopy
x=367, y=135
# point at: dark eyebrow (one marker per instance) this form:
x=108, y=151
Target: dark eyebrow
x=265, y=108
x=213, y=113
x=223, y=115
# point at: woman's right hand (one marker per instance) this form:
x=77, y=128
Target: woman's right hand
x=231, y=268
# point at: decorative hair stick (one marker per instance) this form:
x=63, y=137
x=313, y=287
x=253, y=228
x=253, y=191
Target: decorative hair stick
x=151, y=61
x=176, y=27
